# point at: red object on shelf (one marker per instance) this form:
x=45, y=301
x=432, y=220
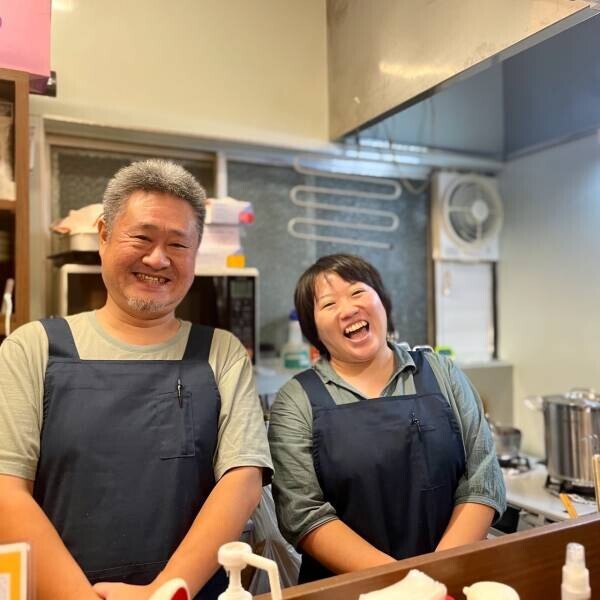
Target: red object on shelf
x=246, y=218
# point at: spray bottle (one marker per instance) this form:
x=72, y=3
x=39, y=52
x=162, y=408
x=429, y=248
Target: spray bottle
x=575, y=576
x=234, y=557
x=295, y=352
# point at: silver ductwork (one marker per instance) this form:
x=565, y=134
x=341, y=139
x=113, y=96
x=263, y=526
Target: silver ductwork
x=385, y=55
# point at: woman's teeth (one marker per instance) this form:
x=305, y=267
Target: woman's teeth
x=354, y=327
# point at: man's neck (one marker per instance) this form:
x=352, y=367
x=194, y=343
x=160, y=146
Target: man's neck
x=134, y=330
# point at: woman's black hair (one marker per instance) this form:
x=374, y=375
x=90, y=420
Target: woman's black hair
x=350, y=268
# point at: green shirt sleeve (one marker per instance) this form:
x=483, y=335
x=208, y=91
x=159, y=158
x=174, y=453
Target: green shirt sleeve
x=482, y=482
x=299, y=501
x=23, y=358
x=242, y=435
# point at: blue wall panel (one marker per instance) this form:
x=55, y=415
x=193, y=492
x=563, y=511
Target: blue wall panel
x=552, y=90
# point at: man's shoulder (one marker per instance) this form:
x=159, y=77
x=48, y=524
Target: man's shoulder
x=226, y=352
x=26, y=348
x=29, y=334
x=81, y=319
x=224, y=343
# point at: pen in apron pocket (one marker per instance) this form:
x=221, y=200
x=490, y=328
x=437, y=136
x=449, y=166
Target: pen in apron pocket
x=179, y=388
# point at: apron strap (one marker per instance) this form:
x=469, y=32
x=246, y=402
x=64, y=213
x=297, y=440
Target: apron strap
x=60, y=338
x=424, y=378
x=315, y=389
x=199, y=342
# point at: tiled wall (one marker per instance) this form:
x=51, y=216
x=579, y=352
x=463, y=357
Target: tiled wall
x=281, y=258
x=80, y=176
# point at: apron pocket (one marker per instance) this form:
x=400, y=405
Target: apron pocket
x=437, y=505
x=441, y=451
x=175, y=420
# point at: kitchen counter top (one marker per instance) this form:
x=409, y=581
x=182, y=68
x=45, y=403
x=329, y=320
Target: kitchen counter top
x=527, y=491
x=529, y=561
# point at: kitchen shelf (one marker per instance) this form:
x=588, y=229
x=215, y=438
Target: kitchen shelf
x=14, y=88
x=8, y=205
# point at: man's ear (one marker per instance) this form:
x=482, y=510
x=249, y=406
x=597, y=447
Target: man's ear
x=102, y=234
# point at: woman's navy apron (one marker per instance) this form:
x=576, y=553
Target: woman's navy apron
x=389, y=466
x=126, y=455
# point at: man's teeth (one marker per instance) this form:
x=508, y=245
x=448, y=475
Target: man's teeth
x=355, y=326
x=151, y=278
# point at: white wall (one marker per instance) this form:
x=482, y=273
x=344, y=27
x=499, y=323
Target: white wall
x=549, y=275
x=238, y=69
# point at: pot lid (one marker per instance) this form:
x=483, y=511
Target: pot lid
x=583, y=397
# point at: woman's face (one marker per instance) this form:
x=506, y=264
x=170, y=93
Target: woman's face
x=350, y=318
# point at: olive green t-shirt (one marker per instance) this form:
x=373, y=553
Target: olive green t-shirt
x=241, y=441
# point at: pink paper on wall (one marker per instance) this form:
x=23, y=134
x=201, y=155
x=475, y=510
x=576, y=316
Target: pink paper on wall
x=25, y=35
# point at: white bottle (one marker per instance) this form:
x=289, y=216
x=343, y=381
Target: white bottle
x=234, y=557
x=575, y=577
x=295, y=352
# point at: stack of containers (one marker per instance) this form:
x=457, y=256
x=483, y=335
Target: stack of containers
x=221, y=243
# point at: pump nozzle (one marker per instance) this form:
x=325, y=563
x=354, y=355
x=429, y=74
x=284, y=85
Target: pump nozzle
x=234, y=557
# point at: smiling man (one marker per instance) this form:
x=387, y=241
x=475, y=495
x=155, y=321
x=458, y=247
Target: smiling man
x=132, y=444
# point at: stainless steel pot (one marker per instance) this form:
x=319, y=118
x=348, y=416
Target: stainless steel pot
x=572, y=434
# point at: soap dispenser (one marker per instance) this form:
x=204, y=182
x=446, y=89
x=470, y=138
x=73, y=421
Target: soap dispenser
x=234, y=557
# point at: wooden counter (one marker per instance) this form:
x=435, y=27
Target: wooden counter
x=530, y=561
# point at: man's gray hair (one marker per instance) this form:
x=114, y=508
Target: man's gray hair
x=153, y=176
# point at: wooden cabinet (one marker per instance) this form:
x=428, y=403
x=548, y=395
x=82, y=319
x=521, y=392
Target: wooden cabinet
x=14, y=214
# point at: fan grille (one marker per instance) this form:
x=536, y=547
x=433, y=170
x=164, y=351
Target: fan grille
x=473, y=212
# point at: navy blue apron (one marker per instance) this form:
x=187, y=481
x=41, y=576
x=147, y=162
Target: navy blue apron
x=389, y=466
x=126, y=455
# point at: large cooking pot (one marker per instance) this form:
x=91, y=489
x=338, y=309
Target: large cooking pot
x=572, y=434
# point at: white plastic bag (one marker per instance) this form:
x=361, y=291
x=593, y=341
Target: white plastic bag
x=267, y=541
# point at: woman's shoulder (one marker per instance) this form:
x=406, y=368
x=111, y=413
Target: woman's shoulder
x=292, y=390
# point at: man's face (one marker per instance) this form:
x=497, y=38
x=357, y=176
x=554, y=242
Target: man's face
x=148, y=258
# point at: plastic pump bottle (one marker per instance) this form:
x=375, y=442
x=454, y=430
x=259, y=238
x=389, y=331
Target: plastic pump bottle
x=295, y=352
x=575, y=576
x=234, y=557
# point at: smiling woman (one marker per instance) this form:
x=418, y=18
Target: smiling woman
x=379, y=453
